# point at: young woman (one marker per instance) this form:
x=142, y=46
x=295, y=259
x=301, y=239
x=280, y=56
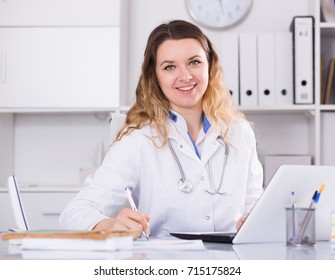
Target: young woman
x=186, y=152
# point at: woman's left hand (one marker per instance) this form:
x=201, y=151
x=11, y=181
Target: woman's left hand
x=241, y=221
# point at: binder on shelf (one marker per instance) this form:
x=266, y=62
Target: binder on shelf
x=329, y=82
x=303, y=55
x=322, y=79
x=283, y=68
x=229, y=61
x=266, y=68
x=328, y=10
x=248, y=69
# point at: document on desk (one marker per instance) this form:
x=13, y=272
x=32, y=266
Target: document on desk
x=110, y=244
x=168, y=244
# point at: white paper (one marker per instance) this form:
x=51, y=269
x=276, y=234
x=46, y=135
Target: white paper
x=80, y=244
x=168, y=244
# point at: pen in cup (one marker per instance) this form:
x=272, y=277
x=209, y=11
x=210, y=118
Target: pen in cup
x=133, y=206
x=293, y=211
x=314, y=201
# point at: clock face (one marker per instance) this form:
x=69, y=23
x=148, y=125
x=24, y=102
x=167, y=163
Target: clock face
x=218, y=13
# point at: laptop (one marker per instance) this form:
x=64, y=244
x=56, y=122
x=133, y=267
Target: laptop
x=17, y=205
x=266, y=222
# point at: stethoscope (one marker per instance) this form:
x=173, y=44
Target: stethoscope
x=186, y=185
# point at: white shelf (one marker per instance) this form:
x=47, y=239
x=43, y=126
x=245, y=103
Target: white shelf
x=279, y=108
x=325, y=25
x=327, y=108
x=45, y=189
x=57, y=110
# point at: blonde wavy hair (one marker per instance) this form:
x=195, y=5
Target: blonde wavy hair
x=152, y=107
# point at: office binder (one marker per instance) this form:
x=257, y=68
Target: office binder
x=229, y=61
x=266, y=68
x=248, y=69
x=329, y=82
x=283, y=68
x=303, y=55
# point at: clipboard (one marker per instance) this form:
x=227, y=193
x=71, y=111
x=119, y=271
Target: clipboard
x=73, y=234
x=102, y=240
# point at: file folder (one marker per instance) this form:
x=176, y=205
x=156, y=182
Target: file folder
x=266, y=68
x=283, y=68
x=229, y=61
x=329, y=82
x=303, y=55
x=248, y=69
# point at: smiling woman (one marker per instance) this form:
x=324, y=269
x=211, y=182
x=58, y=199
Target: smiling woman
x=182, y=73
x=174, y=149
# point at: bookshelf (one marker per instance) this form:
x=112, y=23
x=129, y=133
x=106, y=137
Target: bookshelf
x=325, y=117
x=314, y=122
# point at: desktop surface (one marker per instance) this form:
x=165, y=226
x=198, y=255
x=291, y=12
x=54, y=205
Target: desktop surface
x=324, y=250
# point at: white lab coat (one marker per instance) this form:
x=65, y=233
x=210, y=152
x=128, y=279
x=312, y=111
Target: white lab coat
x=153, y=174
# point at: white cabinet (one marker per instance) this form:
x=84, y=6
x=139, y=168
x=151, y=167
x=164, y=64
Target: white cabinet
x=59, y=67
x=60, y=55
x=60, y=12
x=43, y=208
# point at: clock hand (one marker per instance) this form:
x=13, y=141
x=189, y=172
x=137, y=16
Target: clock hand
x=221, y=7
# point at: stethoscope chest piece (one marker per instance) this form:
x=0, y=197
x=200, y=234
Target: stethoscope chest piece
x=185, y=185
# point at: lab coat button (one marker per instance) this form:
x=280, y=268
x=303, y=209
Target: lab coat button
x=202, y=178
x=208, y=217
x=180, y=146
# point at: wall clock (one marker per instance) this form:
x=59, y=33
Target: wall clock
x=218, y=13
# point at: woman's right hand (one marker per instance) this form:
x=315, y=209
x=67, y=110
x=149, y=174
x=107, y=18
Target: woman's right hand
x=127, y=219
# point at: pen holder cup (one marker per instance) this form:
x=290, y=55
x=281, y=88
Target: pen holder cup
x=300, y=226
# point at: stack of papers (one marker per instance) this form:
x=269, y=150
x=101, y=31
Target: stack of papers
x=103, y=240
x=168, y=244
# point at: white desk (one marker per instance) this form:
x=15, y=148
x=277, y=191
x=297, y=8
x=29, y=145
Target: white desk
x=265, y=251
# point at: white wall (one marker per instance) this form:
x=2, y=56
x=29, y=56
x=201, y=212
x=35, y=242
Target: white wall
x=145, y=15
x=51, y=148
x=6, y=146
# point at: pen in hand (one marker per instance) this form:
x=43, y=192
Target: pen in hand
x=133, y=206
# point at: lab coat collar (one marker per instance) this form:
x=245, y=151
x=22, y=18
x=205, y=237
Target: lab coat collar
x=177, y=118
x=177, y=127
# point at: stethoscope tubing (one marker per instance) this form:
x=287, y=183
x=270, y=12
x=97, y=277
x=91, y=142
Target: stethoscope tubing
x=185, y=185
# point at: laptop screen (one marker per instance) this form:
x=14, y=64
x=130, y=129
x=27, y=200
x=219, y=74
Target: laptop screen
x=17, y=205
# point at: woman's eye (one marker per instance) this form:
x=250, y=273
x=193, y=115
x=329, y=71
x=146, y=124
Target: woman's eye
x=195, y=62
x=169, y=67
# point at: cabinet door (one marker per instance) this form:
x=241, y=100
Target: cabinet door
x=42, y=209
x=6, y=214
x=6, y=147
x=59, y=12
x=59, y=67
